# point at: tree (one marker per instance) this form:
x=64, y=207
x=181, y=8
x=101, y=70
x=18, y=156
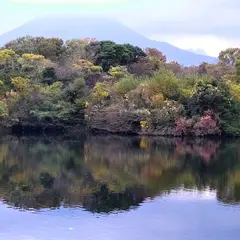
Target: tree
x=49, y=75
x=50, y=48
x=23, y=45
x=75, y=90
x=35, y=65
x=165, y=82
x=208, y=96
x=8, y=59
x=74, y=50
x=229, y=56
x=174, y=67
x=237, y=65
x=220, y=70
x=109, y=54
x=93, y=51
x=154, y=53
x=202, y=69
x=135, y=52
x=141, y=68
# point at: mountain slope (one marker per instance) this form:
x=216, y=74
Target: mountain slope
x=69, y=27
x=197, y=51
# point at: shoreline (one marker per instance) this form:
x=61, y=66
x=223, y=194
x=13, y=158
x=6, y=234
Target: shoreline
x=61, y=129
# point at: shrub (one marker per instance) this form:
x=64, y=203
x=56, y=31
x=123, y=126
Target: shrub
x=139, y=97
x=164, y=82
x=206, y=125
x=125, y=85
x=234, y=89
x=33, y=57
x=117, y=72
x=21, y=84
x=96, y=68
x=184, y=126
x=6, y=56
x=167, y=115
x=100, y=92
x=208, y=96
x=3, y=109
x=144, y=125
x=75, y=90
x=157, y=100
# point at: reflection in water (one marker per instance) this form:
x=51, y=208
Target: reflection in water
x=111, y=173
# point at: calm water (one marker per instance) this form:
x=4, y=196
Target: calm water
x=112, y=188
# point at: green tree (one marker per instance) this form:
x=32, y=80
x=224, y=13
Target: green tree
x=229, y=56
x=8, y=60
x=23, y=45
x=49, y=75
x=50, y=48
x=210, y=96
x=109, y=54
x=136, y=53
x=36, y=66
x=75, y=90
x=237, y=65
x=164, y=82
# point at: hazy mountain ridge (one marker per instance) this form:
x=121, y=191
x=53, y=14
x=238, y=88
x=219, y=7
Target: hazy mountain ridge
x=70, y=27
x=198, y=51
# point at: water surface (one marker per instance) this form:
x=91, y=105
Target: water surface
x=111, y=187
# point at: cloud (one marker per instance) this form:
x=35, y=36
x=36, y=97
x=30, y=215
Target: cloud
x=69, y=1
x=212, y=45
x=212, y=25
x=215, y=17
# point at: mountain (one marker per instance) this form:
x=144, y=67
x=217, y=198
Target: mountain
x=69, y=27
x=197, y=51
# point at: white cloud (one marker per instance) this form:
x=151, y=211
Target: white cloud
x=69, y=1
x=210, y=44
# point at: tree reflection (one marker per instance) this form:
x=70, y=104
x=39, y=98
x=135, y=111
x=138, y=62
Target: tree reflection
x=113, y=173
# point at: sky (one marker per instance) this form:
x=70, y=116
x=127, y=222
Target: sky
x=211, y=25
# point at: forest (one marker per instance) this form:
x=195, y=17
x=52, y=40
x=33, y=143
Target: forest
x=50, y=84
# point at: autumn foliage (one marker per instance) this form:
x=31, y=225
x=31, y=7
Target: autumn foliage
x=117, y=88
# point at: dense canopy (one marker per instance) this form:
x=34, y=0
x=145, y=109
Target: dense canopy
x=48, y=83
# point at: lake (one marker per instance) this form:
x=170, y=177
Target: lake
x=118, y=187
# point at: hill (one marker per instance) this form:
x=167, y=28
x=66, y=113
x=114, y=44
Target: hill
x=69, y=27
